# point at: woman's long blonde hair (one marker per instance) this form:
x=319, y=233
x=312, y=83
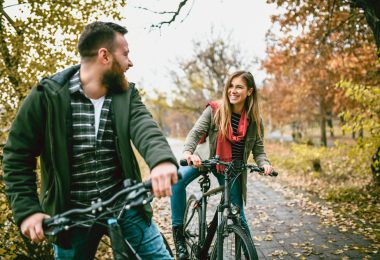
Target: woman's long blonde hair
x=223, y=114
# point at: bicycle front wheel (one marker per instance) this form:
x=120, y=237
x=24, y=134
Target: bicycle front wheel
x=192, y=226
x=167, y=246
x=236, y=245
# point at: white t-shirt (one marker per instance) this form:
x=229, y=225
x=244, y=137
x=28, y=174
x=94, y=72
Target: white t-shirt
x=98, y=104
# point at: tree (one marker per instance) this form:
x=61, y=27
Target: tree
x=365, y=115
x=159, y=107
x=201, y=78
x=355, y=20
x=314, y=38
x=172, y=122
x=343, y=35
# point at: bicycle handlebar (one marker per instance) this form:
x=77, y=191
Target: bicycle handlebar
x=243, y=166
x=136, y=194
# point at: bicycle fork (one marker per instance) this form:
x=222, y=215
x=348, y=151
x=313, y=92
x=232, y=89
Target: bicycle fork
x=120, y=247
x=220, y=235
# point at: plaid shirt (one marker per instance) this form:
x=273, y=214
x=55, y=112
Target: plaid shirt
x=96, y=171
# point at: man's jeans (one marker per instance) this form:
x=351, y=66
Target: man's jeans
x=178, y=199
x=142, y=234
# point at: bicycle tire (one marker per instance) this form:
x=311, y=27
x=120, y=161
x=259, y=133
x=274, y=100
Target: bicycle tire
x=192, y=226
x=236, y=245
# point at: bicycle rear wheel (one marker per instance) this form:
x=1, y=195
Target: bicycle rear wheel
x=192, y=226
x=236, y=245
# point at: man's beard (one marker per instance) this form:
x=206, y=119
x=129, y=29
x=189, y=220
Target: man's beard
x=114, y=79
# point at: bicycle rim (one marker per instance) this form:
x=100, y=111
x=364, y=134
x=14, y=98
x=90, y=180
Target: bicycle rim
x=192, y=226
x=236, y=245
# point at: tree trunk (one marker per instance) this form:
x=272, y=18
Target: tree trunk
x=371, y=10
x=323, y=123
x=330, y=124
x=323, y=131
x=375, y=167
x=342, y=122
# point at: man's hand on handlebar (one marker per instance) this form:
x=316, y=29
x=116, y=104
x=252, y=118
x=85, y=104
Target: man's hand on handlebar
x=31, y=227
x=192, y=159
x=163, y=176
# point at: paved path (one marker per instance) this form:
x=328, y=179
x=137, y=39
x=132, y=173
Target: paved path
x=283, y=229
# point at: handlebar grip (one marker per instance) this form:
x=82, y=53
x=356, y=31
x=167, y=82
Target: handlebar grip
x=183, y=162
x=148, y=184
x=273, y=174
x=46, y=222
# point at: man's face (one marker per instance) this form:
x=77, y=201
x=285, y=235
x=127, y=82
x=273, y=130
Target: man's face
x=121, y=52
x=114, y=78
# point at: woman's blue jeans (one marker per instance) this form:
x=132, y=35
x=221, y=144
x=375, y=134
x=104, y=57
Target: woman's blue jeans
x=142, y=234
x=178, y=198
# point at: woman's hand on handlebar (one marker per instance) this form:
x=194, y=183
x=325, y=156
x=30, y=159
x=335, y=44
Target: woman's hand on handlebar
x=192, y=159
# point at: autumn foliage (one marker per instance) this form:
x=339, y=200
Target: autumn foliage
x=319, y=45
x=37, y=38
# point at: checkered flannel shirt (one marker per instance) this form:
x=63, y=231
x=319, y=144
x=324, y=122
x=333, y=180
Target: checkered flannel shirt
x=96, y=170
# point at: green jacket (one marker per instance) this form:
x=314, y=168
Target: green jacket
x=253, y=143
x=43, y=127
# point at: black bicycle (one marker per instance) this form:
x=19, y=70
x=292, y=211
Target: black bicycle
x=107, y=213
x=231, y=241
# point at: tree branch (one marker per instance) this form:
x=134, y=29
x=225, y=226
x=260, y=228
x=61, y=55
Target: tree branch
x=331, y=30
x=372, y=14
x=9, y=19
x=175, y=14
x=13, y=5
x=6, y=55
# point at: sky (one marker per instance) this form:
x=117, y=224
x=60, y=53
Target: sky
x=156, y=52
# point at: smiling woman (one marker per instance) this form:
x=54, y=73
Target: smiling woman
x=234, y=129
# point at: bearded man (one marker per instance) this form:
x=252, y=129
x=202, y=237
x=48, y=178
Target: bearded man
x=81, y=123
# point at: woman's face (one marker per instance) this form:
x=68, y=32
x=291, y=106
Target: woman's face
x=238, y=91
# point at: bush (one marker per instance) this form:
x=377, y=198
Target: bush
x=12, y=244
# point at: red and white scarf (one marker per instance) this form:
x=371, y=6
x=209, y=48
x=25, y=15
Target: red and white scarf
x=224, y=145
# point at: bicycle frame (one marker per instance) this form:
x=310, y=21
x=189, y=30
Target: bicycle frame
x=120, y=245
x=219, y=223
x=219, y=220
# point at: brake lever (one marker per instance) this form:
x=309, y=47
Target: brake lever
x=52, y=226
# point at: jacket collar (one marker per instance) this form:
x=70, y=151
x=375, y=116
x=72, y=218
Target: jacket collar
x=61, y=78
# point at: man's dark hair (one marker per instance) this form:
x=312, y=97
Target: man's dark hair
x=96, y=35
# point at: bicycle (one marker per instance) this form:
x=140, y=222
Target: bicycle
x=136, y=194
x=231, y=241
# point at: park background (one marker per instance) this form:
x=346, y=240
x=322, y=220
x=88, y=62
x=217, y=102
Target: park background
x=316, y=64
